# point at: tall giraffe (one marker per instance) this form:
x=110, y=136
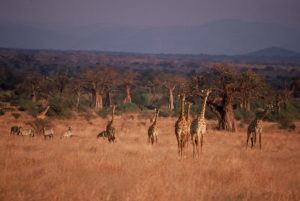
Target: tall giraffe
x=188, y=122
x=198, y=126
x=42, y=115
x=181, y=128
x=152, y=131
x=256, y=126
x=110, y=129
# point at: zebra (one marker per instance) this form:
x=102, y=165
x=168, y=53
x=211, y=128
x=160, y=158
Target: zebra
x=103, y=134
x=27, y=132
x=67, y=133
x=48, y=133
x=15, y=130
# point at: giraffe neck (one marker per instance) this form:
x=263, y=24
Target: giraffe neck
x=203, y=107
x=188, y=112
x=113, y=114
x=182, y=109
x=155, y=119
x=46, y=110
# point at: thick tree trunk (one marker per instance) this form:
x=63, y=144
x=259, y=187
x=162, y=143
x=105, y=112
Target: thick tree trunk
x=171, y=98
x=246, y=104
x=224, y=114
x=97, y=102
x=227, y=121
x=128, y=94
x=107, y=99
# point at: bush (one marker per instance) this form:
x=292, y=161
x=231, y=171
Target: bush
x=286, y=123
x=60, y=106
x=27, y=105
x=104, y=112
x=140, y=98
x=128, y=107
x=244, y=116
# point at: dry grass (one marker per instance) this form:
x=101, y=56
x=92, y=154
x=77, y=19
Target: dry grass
x=83, y=168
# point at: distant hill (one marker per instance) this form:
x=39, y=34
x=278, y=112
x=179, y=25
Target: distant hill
x=274, y=52
x=229, y=37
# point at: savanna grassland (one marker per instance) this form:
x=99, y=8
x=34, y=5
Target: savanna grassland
x=86, y=168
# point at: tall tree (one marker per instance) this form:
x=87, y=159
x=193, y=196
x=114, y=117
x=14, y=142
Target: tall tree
x=228, y=87
x=170, y=82
x=128, y=80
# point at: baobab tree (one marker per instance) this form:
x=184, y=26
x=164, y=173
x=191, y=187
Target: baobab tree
x=170, y=82
x=229, y=86
x=32, y=82
x=98, y=81
x=128, y=79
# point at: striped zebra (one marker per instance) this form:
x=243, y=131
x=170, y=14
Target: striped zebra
x=48, y=133
x=103, y=134
x=27, y=132
x=15, y=130
x=67, y=133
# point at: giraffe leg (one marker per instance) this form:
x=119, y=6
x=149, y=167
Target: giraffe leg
x=197, y=145
x=248, y=135
x=201, y=141
x=259, y=138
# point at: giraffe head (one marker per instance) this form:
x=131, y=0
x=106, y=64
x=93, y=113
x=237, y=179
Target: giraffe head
x=206, y=92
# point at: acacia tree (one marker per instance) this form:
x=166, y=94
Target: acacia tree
x=228, y=86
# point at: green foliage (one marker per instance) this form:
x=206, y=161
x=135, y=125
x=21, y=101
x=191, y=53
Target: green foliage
x=60, y=106
x=27, y=105
x=140, y=98
x=127, y=108
x=104, y=112
x=244, y=116
x=286, y=123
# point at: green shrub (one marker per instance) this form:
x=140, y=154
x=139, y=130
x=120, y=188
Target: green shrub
x=60, y=107
x=140, y=98
x=244, y=116
x=104, y=112
x=286, y=123
x=27, y=105
x=126, y=108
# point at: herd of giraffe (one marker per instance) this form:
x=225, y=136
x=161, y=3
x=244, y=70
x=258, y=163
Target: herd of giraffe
x=186, y=129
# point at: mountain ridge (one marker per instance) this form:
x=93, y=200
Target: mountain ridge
x=229, y=37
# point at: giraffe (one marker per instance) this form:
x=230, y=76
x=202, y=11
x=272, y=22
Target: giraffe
x=188, y=122
x=152, y=131
x=198, y=125
x=181, y=128
x=110, y=129
x=256, y=126
x=42, y=115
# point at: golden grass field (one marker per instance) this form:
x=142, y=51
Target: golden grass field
x=84, y=168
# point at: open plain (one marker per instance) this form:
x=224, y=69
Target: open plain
x=86, y=168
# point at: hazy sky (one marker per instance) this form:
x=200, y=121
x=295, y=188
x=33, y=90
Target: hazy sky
x=150, y=12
